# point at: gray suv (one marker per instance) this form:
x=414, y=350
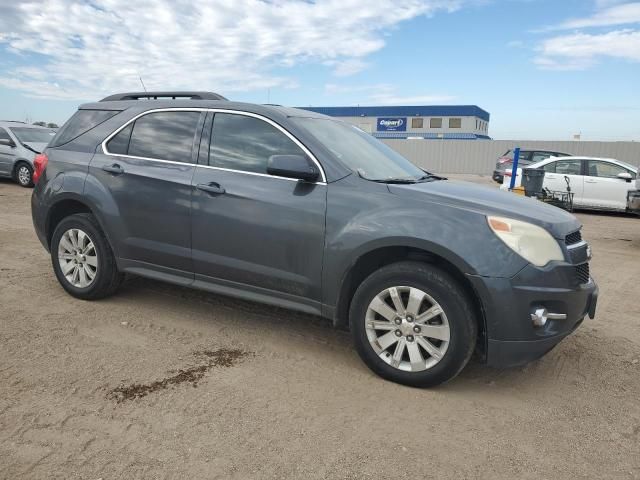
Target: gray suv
x=306, y=212
x=19, y=144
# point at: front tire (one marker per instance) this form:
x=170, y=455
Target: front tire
x=24, y=175
x=413, y=324
x=82, y=258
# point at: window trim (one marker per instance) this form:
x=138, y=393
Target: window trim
x=216, y=110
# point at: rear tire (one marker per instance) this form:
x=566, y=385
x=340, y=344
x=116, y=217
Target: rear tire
x=414, y=352
x=23, y=175
x=82, y=258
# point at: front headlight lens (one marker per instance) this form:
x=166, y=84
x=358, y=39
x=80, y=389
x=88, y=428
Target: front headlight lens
x=531, y=242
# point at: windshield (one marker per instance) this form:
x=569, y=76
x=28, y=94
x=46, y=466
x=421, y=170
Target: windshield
x=361, y=152
x=33, y=135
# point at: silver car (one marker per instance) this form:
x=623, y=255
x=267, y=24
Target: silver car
x=19, y=144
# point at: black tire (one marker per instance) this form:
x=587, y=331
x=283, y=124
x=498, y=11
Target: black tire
x=107, y=278
x=26, y=182
x=446, y=292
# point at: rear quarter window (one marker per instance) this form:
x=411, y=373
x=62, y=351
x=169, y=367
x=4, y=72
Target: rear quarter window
x=81, y=122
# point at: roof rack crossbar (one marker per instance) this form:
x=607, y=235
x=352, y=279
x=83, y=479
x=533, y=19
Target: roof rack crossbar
x=160, y=95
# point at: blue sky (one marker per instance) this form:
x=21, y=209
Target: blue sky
x=544, y=69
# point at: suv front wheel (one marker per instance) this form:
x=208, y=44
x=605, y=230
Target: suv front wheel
x=82, y=258
x=413, y=324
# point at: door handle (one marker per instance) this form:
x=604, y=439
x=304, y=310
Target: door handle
x=590, y=181
x=115, y=169
x=213, y=188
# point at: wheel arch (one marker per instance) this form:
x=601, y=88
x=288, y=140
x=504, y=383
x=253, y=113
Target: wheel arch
x=373, y=259
x=66, y=206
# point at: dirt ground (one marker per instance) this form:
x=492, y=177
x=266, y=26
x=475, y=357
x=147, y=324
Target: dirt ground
x=165, y=382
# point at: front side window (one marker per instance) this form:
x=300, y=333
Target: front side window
x=569, y=167
x=239, y=142
x=606, y=169
x=455, y=123
x=164, y=136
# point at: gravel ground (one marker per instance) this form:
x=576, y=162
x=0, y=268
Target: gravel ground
x=165, y=382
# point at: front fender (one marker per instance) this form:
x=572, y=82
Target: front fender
x=360, y=222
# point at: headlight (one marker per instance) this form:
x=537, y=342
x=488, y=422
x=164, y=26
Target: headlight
x=531, y=242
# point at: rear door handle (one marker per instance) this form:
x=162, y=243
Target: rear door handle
x=115, y=169
x=591, y=181
x=212, y=188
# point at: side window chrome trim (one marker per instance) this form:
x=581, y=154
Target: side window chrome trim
x=216, y=110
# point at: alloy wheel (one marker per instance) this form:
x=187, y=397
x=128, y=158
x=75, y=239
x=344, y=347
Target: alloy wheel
x=24, y=175
x=407, y=328
x=78, y=258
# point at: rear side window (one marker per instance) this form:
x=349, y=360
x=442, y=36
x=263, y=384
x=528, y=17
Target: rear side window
x=81, y=122
x=246, y=143
x=163, y=135
x=569, y=167
x=120, y=143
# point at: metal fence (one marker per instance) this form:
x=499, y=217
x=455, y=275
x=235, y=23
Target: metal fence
x=479, y=156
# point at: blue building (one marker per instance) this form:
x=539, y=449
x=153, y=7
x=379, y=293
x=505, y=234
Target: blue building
x=431, y=122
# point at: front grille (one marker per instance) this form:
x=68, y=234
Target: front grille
x=582, y=273
x=573, y=238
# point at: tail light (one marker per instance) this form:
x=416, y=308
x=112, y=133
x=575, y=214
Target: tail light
x=39, y=164
x=504, y=160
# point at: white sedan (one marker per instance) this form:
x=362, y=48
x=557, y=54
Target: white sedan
x=597, y=183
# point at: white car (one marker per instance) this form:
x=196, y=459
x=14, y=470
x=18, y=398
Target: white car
x=597, y=183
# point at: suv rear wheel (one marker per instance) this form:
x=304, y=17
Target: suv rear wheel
x=413, y=324
x=82, y=258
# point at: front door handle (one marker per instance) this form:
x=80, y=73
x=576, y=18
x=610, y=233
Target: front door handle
x=213, y=188
x=115, y=169
x=591, y=181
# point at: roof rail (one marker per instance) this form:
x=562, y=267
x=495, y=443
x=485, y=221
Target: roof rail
x=13, y=121
x=159, y=95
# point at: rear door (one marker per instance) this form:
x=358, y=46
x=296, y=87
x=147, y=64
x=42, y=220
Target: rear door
x=7, y=154
x=252, y=230
x=147, y=169
x=602, y=187
x=557, y=174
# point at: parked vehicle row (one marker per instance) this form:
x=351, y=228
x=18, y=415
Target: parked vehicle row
x=526, y=158
x=597, y=183
x=19, y=144
x=301, y=210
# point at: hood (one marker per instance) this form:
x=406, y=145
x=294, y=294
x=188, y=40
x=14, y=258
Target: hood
x=490, y=201
x=35, y=146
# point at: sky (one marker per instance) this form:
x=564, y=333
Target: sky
x=544, y=69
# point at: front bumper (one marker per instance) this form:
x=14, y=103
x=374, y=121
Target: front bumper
x=633, y=201
x=512, y=339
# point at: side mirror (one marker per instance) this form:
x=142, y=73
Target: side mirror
x=292, y=166
x=7, y=142
x=626, y=176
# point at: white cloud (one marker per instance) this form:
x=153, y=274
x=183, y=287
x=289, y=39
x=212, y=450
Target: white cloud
x=386, y=94
x=88, y=49
x=608, y=15
x=580, y=50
